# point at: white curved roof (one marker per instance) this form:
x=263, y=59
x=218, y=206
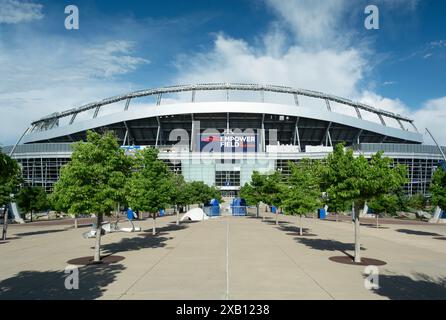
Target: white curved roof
x=50, y=127
x=222, y=107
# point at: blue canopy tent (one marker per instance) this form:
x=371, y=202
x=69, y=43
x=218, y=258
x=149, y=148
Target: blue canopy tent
x=212, y=208
x=238, y=207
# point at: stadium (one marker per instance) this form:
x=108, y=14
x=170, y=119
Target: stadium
x=221, y=133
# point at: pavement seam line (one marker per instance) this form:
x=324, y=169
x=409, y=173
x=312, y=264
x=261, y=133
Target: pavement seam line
x=227, y=259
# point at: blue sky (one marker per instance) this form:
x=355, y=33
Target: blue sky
x=130, y=45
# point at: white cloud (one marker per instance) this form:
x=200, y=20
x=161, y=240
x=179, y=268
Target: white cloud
x=233, y=60
x=314, y=57
x=14, y=11
x=110, y=59
x=313, y=22
x=438, y=44
x=50, y=76
x=431, y=114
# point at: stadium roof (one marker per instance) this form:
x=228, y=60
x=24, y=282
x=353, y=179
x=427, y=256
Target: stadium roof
x=297, y=118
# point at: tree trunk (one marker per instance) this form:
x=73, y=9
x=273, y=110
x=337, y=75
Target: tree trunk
x=115, y=227
x=257, y=210
x=97, y=247
x=178, y=217
x=32, y=211
x=356, y=209
x=75, y=221
x=5, y=222
x=336, y=214
x=300, y=224
x=377, y=221
x=154, y=224
x=277, y=216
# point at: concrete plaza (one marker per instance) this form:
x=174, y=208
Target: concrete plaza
x=226, y=258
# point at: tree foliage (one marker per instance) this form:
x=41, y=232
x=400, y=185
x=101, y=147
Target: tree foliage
x=386, y=203
x=272, y=189
x=32, y=199
x=417, y=202
x=201, y=193
x=180, y=195
x=347, y=178
x=252, y=192
x=93, y=181
x=438, y=188
x=151, y=185
x=302, y=194
x=10, y=178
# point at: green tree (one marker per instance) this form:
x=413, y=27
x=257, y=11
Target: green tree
x=93, y=181
x=272, y=191
x=10, y=179
x=252, y=191
x=356, y=180
x=201, y=193
x=150, y=187
x=31, y=199
x=438, y=188
x=416, y=202
x=386, y=203
x=302, y=194
x=180, y=195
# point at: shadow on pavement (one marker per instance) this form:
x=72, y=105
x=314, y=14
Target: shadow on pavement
x=328, y=245
x=45, y=285
x=166, y=229
x=292, y=229
x=174, y=227
x=35, y=233
x=418, y=233
x=250, y=216
x=273, y=221
x=135, y=243
x=423, y=287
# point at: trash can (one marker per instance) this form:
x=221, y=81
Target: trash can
x=162, y=212
x=273, y=209
x=321, y=214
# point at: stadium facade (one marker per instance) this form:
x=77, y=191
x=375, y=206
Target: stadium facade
x=221, y=133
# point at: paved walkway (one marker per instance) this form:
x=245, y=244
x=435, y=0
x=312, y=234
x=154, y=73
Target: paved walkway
x=226, y=258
